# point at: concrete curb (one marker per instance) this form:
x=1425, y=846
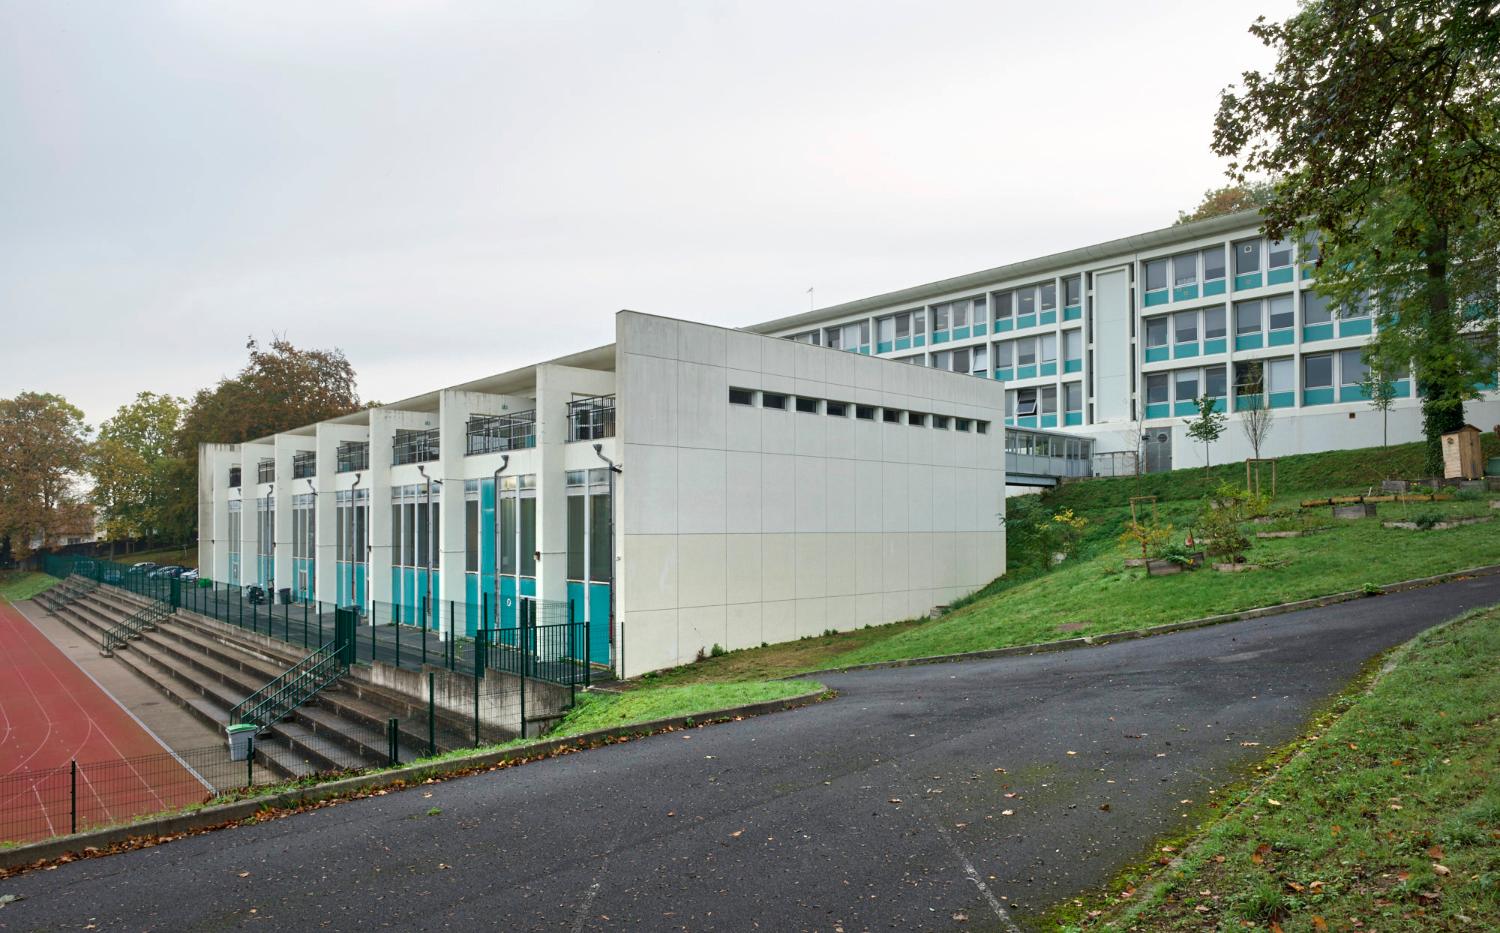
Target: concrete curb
x=97, y=842
x=1094, y=641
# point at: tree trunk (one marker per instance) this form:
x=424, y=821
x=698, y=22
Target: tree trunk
x=1442, y=404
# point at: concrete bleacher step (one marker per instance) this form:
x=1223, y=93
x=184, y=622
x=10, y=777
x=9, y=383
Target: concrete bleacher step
x=276, y=754
x=338, y=725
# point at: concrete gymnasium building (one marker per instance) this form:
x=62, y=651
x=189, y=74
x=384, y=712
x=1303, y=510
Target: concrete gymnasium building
x=853, y=473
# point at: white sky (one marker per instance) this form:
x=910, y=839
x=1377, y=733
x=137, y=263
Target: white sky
x=503, y=177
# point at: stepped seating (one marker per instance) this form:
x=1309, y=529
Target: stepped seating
x=208, y=672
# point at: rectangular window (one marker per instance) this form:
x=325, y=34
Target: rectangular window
x=1280, y=375
x=1049, y=400
x=1213, y=322
x=864, y=412
x=1282, y=313
x=1073, y=396
x=1026, y=352
x=1073, y=291
x=1352, y=368
x=577, y=518
x=1026, y=301
x=1247, y=317
x=1049, y=348
x=528, y=537
x=1317, y=371
x=1213, y=381
x=1073, y=344
x=1362, y=309
x=1279, y=254
x=1157, y=389
x=1185, y=323
x=471, y=536
x=891, y=415
x=1026, y=403
x=808, y=337
x=1003, y=306
x=836, y=409
x=1186, y=381
x=807, y=405
x=601, y=570
x=961, y=424
x=1185, y=270
x=1049, y=296
x=741, y=397
x=916, y=419
x=1155, y=271
x=903, y=326
x=961, y=313
x=940, y=317
x=507, y=509
x=885, y=329
x=773, y=400
x=409, y=535
x=1249, y=378
x=1213, y=263
x=979, y=360
x=1246, y=257
x=1005, y=354
x=1156, y=332
x=424, y=535
x=1315, y=309
x=983, y=427
x=940, y=422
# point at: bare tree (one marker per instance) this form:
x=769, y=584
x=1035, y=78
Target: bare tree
x=1256, y=420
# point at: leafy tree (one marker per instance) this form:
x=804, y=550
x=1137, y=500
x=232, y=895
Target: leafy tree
x=1208, y=426
x=281, y=387
x=1380, y=389
x=1380, y=123
x=43, y=444
x=1256, y=419
x=133, y=467
x=1230, y=199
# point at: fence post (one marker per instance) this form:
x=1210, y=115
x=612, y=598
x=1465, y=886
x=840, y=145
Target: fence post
x=398, y=646
x=73, y=795
x=304, y=625
x=431, y=714
x=250, y=764
x=392, y=731
x=477, y=674
x=452, y=636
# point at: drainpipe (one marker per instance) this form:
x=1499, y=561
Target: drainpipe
x=353, y=519
x=504, y=462
x=614, y=580
x=271, y=507
x=312, y=583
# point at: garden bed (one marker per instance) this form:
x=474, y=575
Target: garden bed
x=1441, y=526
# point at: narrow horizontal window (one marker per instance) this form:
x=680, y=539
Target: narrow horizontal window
x=892, y=415
x=983, y=427
x=961, y=424
x=741, y=397
x=836, y=409
x=773, y=400
x=808, y=405
x=916, y=419
x=940, y=422
x=864, y=412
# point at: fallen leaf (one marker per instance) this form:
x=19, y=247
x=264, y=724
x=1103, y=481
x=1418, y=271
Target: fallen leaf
x=1104, y=807
x=1249, y=744
x=894, y=800
x=1072, y=753
x=736, y=834
x=1319, y=923
x=960, y=917
x=1441, y=869
x=1274, y=803
x=1315, y=888
x=1276, y=927
x=1295, y=887
x=244, y=874
x=1007, y=813
x=1219, y=859
x=1435, y=851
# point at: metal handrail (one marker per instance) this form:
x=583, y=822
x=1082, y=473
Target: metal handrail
x=132, y=627
x=300, y=683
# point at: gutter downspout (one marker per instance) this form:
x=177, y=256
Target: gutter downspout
x=613, y=577
x=504, y=462
x=353, y=520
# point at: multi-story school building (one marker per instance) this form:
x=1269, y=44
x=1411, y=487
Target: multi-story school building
x=1115, y=341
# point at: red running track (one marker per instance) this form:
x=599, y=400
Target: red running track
x=51, y=714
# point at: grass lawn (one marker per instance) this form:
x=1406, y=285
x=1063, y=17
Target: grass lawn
x=1388, y=820
x=1092, y=594
x=16, y=585
x=183, y=555
x=608, y=710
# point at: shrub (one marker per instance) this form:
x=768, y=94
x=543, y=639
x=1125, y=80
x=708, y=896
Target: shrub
x=1148, y=538
x=1220, y=526
x=717, y=650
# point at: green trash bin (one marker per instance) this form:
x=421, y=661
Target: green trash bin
x=1492, y=467
x=240, y=736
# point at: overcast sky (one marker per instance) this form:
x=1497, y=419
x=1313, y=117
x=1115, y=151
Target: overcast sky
x=447, y=190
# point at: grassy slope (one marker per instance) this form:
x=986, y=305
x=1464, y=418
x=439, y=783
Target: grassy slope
x=21, y=584
x=1025, y=607
x=1390, y=820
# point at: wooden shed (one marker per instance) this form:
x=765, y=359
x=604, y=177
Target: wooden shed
x=1461, y=454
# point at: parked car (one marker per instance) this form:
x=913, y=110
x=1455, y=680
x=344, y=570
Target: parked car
x=144, y=567
x=188, y=576
x=170, y=570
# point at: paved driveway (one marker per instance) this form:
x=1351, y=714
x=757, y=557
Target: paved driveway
x=885, y=809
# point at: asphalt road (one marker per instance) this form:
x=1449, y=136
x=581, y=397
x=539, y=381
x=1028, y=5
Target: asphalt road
x=883, y=809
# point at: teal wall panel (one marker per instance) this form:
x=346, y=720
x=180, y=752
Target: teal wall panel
x=1049, y=369
x=1248, y=342
x=1048, y=317
x=1157, y=354
x=1216, y=345
x=1159, y=297
x=884, y=346
x=1072, y=366
x=1073, y=418
x=1026, y=320
x=1317, y=396
x=1313, y=332
x=1216, y=287
x=1159, y=410
x=1184, y=292
x=1282, y=338
x=1355, y=327
x=1279, y=276
x=1248, y=280
x=903, y=343
x=1049, y=421
x=1183, y=351
x=940, y=336
x=1025, y=372
x=1006, y=373
x=1004, y=324
x=1283, y=399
